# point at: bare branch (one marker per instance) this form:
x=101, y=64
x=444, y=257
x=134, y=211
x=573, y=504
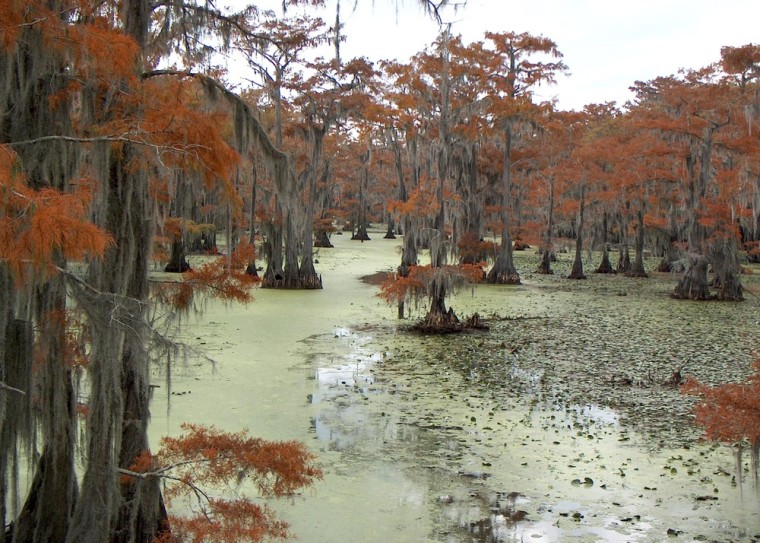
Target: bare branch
x=99, y=139
x=3, y=386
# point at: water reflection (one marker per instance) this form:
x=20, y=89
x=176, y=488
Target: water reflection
x=468, y=440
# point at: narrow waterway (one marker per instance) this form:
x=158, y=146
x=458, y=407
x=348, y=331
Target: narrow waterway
x=506, y=435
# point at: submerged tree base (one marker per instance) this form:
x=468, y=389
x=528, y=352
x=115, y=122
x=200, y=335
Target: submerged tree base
x=693, y=284
x=605, y=266
x=311, y=282
x=448, y=323
x=503, y=278
x=322, y=240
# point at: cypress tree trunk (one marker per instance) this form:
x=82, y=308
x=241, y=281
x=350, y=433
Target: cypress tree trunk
x=119, y=368
x=724, y=256
x=605, y=266
x=669, y=253
x=17, y=423
x=624, y=259
x=473, y=219
x=291, y=273
x=577, y=271
x=274, y=275
x=361, y=216
x=322, y=239
x=177, y=260
x=50, y=501
x=438, y=318
x=503, y=271
x=7, y=292
x=390, y=232
x=251, y=268
x=307, y=275
x=637, y=269
x=546, y=265
x=408, y=257
x=693, y=283
x=409, y=247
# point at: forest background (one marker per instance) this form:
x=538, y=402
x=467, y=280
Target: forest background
x=123, y=144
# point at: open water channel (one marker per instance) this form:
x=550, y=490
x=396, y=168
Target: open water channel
x=554, y=425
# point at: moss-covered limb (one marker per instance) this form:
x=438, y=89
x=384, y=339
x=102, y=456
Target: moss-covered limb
x=47, y=510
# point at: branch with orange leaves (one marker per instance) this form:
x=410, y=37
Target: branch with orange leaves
x=225, y=279
x=206, y=456
x=731, y=412
x=421, y=280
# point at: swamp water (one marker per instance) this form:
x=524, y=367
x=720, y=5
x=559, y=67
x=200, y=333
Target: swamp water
x=554, y=425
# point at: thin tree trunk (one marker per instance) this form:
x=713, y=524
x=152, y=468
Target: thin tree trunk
x=546, y=266
x=577, y=271
x=637, y=268
x=503, y=271
x=605, y=266
x=308, y=276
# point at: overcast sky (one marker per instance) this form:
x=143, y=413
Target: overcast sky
x=607, y=44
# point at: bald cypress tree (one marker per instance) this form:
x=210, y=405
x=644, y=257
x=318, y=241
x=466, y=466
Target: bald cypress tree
x=87, y=126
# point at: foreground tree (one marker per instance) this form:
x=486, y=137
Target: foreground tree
x=730, y=413
x=193, y=463
x=108, y=130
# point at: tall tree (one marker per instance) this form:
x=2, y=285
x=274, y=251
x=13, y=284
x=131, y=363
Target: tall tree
x=117, y=125
x=512, y=74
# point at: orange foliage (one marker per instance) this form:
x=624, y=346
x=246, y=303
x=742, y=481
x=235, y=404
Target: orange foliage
x=222, y=278
x=471, y=248
x=102, y=51
x=36, y=227
x=206, y=456
x=397, y=288
x=11, y=19
x=730, y=412
x=228, y=521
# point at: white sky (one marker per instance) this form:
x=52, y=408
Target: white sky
x=607, y=44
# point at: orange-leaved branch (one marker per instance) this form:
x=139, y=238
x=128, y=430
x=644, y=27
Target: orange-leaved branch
x=223, y=277
x=729, y=412
x=206, y=458
x=39, y=226
x=421, y=281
